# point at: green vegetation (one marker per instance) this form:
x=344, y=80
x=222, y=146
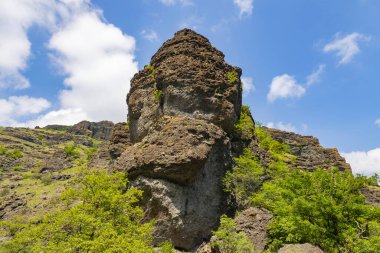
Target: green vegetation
x=158, y=95
x=11, y=153
x=324, y=208
x=245, y=178
x=153, y=71
x=245, y=127
x=100, y=215
x=228, y=240
x=71, y=151
x=232, y=76
x=166, y=247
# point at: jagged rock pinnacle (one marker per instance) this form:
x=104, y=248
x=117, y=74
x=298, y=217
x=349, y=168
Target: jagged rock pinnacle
x=187, y=76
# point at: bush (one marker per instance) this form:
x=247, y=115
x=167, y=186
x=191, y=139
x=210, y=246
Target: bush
x=100, y=215
x=244, y=179
x=245, y=126
x=153, y=71
x=324, y=208
x=232, y=77
x=158, y=95
x=227, y=240
x=166, y=247
x=71, y=151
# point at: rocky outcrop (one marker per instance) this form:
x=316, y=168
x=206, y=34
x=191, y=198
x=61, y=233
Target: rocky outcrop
x=300, y=248
x=310, y=154
x=101, y=130
x=187, y=76
x=253, y=222
x=181, y=110
x=372, y=195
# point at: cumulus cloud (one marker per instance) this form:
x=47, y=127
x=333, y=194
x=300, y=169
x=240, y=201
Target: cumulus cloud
x=288, y=127
x=98, y=61
x=150, y=35
x=346, y=47
x=60, y=117
x=96, y=58
x=248, y=85
x=316, y=75
x=285, y=86
x=245, y=7
x=14, y=107
x=365, y=163
x=377, y=122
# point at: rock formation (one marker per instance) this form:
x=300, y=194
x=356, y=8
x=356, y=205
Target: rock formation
x=181, y=109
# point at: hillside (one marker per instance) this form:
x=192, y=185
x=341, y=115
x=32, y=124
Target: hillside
x=196, y=153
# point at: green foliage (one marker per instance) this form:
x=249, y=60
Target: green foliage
x=374, y=180
x=166, y=247
x=279, y=152
x=47, y=179
x=158, y=95
x=11, y=153
x=232, y=77
x=100, y=215
x=153, y=71
x=71, y=151
x=90, y=152
x=244, y=179
x=228, y=240
x=245, y=127
x=324, y=208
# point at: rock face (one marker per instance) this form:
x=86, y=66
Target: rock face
x=187, y=76
x=300, y=248
x=310, y=154
x=253, y=222
x=181, y=109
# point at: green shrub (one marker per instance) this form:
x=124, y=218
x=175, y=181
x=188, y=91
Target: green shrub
x=158, y=95
x=11, y=153
x=228, y=240
x=46, y=179
x=3, y=150
x=245, y=177
x=324, y=208
x=232, y=77
x=153, y=71
x=100, y=215
x=71, y=151
x=16, y=154
x=166, y=247
x=245, y=126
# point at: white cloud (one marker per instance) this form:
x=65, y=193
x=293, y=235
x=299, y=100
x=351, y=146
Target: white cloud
x=173, y=2
x=377, y=122
x=288, y=127
x=150, y=35
x=365, y=163
x=248, y=85
x=316, y=75
x=346, y=47
x=99, y=62
x=60, y=117
x=96, y=58
x=285, y=86
x=14, y=107
x=245, y=7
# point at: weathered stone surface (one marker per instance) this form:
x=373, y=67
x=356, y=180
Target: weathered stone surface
x=180, y=165
x=193, y=78
x=300, y=248
x=176, y=149
x=310, y=154
x=372, y=195
x=253, y=222
x=119, y=140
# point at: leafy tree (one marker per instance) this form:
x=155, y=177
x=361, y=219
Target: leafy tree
x=244, y=179
x=99, y=215
x=228, y=240
x=324, y=208
x=71, y=151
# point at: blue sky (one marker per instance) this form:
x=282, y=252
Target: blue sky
x=309, y=66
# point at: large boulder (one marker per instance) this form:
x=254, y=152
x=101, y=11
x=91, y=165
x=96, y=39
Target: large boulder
x=187, y=76
x=300, y=248
x=180, y=165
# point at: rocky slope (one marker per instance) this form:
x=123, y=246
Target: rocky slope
x=180, y=139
